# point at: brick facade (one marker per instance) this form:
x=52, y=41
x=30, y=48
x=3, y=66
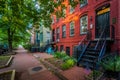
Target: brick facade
x=90, y=11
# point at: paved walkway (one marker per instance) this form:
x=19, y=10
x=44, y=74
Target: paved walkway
x=75, y=73
x=23, y=63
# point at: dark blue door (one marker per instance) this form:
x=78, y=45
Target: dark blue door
x=102, y=22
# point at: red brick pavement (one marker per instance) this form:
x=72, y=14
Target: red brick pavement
x=76, y=73
x=23, y=61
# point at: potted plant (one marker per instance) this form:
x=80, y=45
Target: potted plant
x=111, y=65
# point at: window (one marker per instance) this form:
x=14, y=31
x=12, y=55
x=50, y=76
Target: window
x=71, y=9
x=53, y=35
x=41, y=37
x=68, y=51
x=63, y=31
x=83, y=3
x=72, y=28
x=48, y=34
x=57, y=33
x=64, y=12
x=52, y=19
x=57, y=19
x=61, y=48
x=75, y=51
x=57, y=1
x=83, y=24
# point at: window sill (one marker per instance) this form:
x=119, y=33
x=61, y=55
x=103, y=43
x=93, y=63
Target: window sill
x=71, y=35
x=63, y=37
x=83, y=33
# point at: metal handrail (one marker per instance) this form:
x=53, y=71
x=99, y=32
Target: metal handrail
x=83, y=52
x=102, y=51
x=83, y=42
x=103, y=47
x=100, y=38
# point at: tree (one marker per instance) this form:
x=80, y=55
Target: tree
x=13, y=20
x=16, y=15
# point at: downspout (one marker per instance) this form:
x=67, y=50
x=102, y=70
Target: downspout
x=118, y=26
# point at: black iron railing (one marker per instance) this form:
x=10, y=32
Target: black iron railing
x=83, y=45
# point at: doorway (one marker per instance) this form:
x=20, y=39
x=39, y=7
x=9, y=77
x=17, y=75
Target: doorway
x=102, y=22
x=68, y=51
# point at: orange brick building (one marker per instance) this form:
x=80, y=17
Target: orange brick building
x=91, y=15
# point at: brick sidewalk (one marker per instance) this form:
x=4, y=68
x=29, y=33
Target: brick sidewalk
x=23, y=62
x=75, y=73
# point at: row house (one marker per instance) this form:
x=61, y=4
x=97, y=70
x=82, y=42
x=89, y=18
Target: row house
x=91, y=18
x=41, y=36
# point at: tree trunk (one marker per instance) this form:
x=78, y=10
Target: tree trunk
x=9, y=40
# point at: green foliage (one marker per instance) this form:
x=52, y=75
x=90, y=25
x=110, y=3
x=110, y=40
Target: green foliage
x=2, y=58
x=111, y=63
x=68, y=64
x=27, y=46
x=65, y=58
x=68, y=61
x=60, y=54
x=94, y=73
x=16, y=15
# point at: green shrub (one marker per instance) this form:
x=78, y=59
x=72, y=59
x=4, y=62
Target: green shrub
x=111, y=63
x=94, y=73
x=59, y=54
x=68, y=64
x=27, y=46
x=66, y=58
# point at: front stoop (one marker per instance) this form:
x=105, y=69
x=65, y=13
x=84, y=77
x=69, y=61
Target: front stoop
x=53, y=69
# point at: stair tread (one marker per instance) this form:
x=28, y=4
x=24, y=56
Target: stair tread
x=88, y=60
x=90, y=56
x=89, y=52
x=97, y=50
x=86, y=64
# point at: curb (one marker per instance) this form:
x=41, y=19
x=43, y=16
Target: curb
x=53, y=69
x=13, y=74
x=8, y=62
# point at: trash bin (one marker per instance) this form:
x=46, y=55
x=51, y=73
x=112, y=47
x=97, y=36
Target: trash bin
x=33, y=49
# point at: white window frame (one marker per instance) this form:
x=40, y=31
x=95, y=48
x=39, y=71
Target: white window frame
x=83, y=4
x=64, y=12
x=71, y=9
x=53, y=19
x=58, y=33
x=72, y=28
x=83, y=25
x=63, y=31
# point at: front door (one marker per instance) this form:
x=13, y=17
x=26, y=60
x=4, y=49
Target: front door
x=102, y=22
